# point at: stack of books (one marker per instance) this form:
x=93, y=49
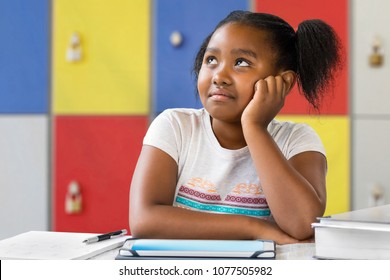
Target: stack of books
x=360, y=234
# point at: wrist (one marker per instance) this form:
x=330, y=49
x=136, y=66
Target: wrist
x=258, y=228
x=254, y=128
x=255, y=121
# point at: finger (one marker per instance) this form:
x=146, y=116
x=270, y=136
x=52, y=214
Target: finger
x=261, y=88
x=275, y=87
x=257, y=85
x=280, y=86
x=271, y=84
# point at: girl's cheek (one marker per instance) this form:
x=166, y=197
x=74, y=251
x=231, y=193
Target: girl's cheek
x=204, y=79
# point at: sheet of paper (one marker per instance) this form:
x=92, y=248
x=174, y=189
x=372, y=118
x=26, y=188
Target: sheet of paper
x=296, y=251
x=48, y=245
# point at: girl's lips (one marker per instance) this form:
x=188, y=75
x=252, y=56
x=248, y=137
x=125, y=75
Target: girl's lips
x=220, y=95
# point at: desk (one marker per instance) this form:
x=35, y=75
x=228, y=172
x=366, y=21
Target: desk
x=66, y=245
x=298, y=251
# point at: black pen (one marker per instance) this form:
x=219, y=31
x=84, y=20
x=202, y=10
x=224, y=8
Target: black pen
x=105, y=236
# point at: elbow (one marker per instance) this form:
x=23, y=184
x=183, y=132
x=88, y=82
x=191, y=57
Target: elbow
x=144, y=224
x=139, y=228
x=136, y=231
x=136, y=223
x=302, y=233
x=139, y=221
x=135, y=228
x=302, y=229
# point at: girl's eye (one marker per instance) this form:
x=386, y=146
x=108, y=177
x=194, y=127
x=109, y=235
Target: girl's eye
x=211, y=60
x=242, y=63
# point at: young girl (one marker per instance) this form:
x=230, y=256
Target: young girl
x=230, y=170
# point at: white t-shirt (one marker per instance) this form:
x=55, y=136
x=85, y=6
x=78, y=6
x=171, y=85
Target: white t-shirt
x=212, y=178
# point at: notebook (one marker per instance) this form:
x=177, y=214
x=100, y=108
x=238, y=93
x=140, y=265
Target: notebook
x=48, y=245
x=195, y=248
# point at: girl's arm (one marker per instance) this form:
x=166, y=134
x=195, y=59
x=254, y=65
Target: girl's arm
x=153, y=216
x=295, y=188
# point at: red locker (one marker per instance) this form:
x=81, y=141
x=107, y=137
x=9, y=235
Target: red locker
x=99, y=153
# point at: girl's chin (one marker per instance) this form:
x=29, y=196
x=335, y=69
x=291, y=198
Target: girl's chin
x=224, y=115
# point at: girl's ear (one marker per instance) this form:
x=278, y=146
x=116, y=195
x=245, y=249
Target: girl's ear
x=290, y=78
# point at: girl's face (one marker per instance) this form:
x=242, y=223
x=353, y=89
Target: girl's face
x=236, y=57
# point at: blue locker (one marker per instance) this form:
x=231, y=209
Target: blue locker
x=24, y=56
x=173, y=82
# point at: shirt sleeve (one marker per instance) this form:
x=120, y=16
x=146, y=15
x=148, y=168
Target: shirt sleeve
x=303, y=138
x=164, y=134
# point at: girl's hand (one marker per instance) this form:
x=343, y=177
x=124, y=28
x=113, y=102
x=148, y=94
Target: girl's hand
x=267, y=101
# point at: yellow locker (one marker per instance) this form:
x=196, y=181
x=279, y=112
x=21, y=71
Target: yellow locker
x=101, y=57
x=335, y=135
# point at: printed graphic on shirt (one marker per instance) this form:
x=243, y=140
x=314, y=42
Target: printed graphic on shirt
x=244, y=199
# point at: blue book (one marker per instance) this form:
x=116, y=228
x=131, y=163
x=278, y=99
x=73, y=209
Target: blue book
x=196, y=248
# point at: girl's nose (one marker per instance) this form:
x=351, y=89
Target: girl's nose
x=221, y=77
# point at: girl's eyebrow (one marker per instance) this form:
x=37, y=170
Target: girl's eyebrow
x=245, y=52
x=237, y=51
x=213, y=50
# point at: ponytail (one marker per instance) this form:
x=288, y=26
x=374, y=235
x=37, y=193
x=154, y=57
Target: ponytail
x=318, y=59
